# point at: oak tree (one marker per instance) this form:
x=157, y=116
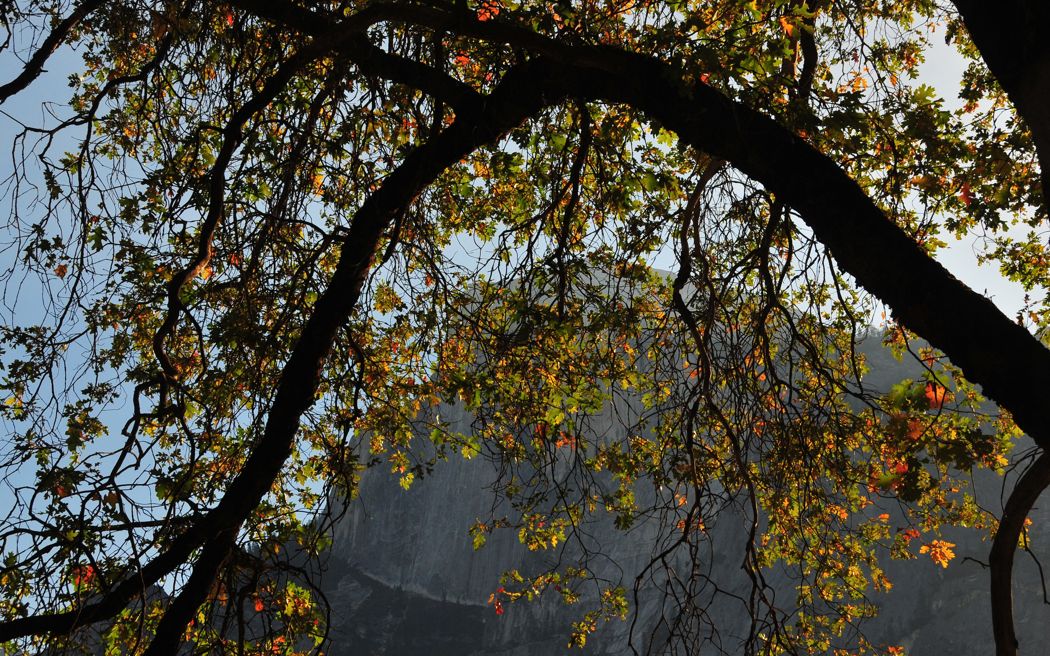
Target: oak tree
x=254, y=235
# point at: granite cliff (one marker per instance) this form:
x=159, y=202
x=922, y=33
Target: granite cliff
x=403, y=577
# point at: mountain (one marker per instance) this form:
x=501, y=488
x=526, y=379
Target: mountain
x=403, y=577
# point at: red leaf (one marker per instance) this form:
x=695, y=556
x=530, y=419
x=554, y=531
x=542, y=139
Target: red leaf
x=83, y=574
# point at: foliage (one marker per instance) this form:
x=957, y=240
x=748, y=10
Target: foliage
x=272, y=238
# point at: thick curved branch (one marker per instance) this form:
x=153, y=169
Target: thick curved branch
x=1011, y=36
x=807, y=43
x=519, y=95
x=374, y=61
x=1001, y=559
x=35, y=66
x=460, y=22
x=993, y=351
x=370, y=59
x=516, y=99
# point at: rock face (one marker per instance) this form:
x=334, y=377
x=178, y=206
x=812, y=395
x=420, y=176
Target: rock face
x=404, y=578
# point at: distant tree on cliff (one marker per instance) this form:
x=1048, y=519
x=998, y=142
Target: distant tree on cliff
x=258, y=232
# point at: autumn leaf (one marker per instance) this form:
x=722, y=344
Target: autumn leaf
x=565, y=440
x=83, y=575
x=495, y=601
x=488, y=10
x=940, y=551
x=915, y=429
x=289, y=136
x=936, y=396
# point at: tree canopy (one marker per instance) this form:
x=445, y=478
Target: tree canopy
x=257, y=240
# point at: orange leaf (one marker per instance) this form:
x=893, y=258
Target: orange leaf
x=936, y=396
x=61, y=270
x=915, y=429
x=488, y=10
x=940, y=551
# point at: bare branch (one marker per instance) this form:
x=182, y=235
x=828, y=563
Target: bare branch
x=519, y=96
x=35, y=66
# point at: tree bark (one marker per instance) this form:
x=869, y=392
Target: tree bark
x=993, y=351
x=1001, y=559
x=1012, y=38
